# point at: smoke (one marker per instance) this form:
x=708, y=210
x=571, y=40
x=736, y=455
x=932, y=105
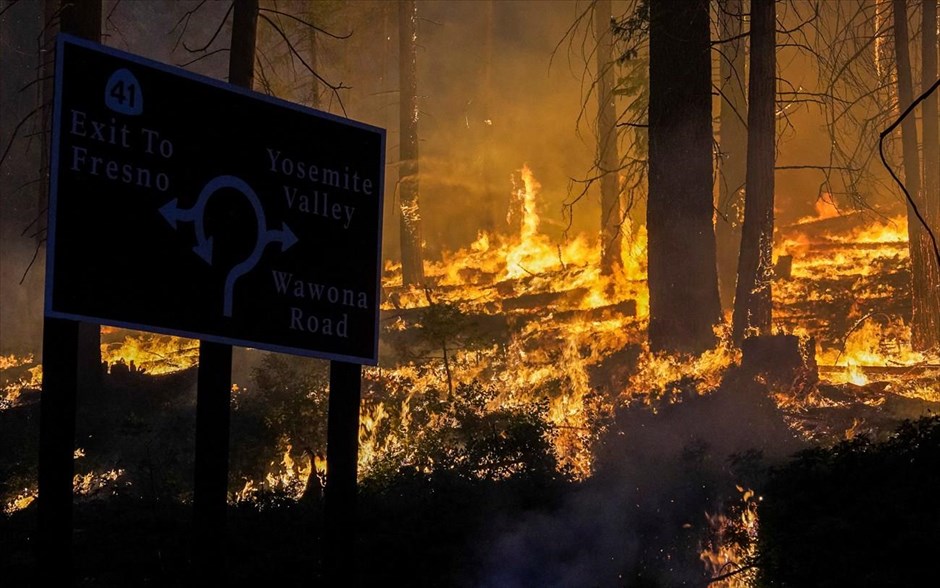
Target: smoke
x=474, y=135
x=20, y=208
x=640, y=519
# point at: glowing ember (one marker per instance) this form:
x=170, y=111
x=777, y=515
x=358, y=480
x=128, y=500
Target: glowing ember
x=287, y=477
x=151, y=353
x=728, y=558
x=12, y=361
x=92, y=483
x=20, y=501
x=15, y=378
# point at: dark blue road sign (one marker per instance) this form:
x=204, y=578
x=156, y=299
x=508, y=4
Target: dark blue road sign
x=183, y=205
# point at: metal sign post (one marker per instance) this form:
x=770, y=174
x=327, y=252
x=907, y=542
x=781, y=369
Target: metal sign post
x=342, y=458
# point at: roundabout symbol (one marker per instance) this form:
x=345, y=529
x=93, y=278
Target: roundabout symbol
x=196, y=215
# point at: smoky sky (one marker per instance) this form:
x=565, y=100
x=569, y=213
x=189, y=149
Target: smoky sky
x=540, y=110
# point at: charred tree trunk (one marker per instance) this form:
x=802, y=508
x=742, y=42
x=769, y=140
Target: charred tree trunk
x=683, y=280
x=924, y=321
x=929, y=335
x=752, y=299
x=733, y=134
x=412, y=260
x=607, y=160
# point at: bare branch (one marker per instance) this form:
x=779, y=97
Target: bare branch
x=36, y=252
x=8, y=6
x=183, y=23
x=204, y=56
x=311, y=25
x=333, y=87
x=215, y=34
x=16, y=130
x=113, y=8
x=907, y=195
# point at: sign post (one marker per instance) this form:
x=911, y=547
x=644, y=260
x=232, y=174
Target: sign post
x=342, y=458
x=210, y=480
x=57, y=448
x=186, y=206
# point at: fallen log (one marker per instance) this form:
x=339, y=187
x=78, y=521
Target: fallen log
x=625, y=308
x=917, y=370
x=540, y=300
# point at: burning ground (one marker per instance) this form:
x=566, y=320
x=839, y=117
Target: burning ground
x=517, y=431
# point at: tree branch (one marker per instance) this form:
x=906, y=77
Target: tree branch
x=884, y=161
x=302, y=21
x=333, y=87
x=215, y=34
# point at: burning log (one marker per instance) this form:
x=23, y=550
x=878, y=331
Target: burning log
x=892, y=371
x=545, y=299
x=824, y=246
x=837, y=224
x=625, y=308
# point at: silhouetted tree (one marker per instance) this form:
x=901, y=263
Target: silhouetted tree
x=412, y=260
x=494, y=208
x=608, y=162
x=925, y=280
x=733, y=144
x=929, y=330
x=683, y=280
x=752, y=299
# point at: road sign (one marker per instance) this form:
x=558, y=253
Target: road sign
x=183, y=205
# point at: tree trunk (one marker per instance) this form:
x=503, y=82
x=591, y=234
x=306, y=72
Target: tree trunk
x=683, y=280
x=81, y=18
x=607, y=160
x=47, y=36
x=494, y=209
x=312, y=56
x=732, y=166
x=241, y=64
x=752, y=299
x=412, y=261
x=924, y=314
x=929, y=330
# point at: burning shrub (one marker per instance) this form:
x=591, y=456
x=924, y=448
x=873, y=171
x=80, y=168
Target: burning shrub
x=464, y=434
x=280, y=427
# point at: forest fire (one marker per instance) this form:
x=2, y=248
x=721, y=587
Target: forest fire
x=535, y=322
x=528, y=314
x=657, y=314
x=545, y=305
